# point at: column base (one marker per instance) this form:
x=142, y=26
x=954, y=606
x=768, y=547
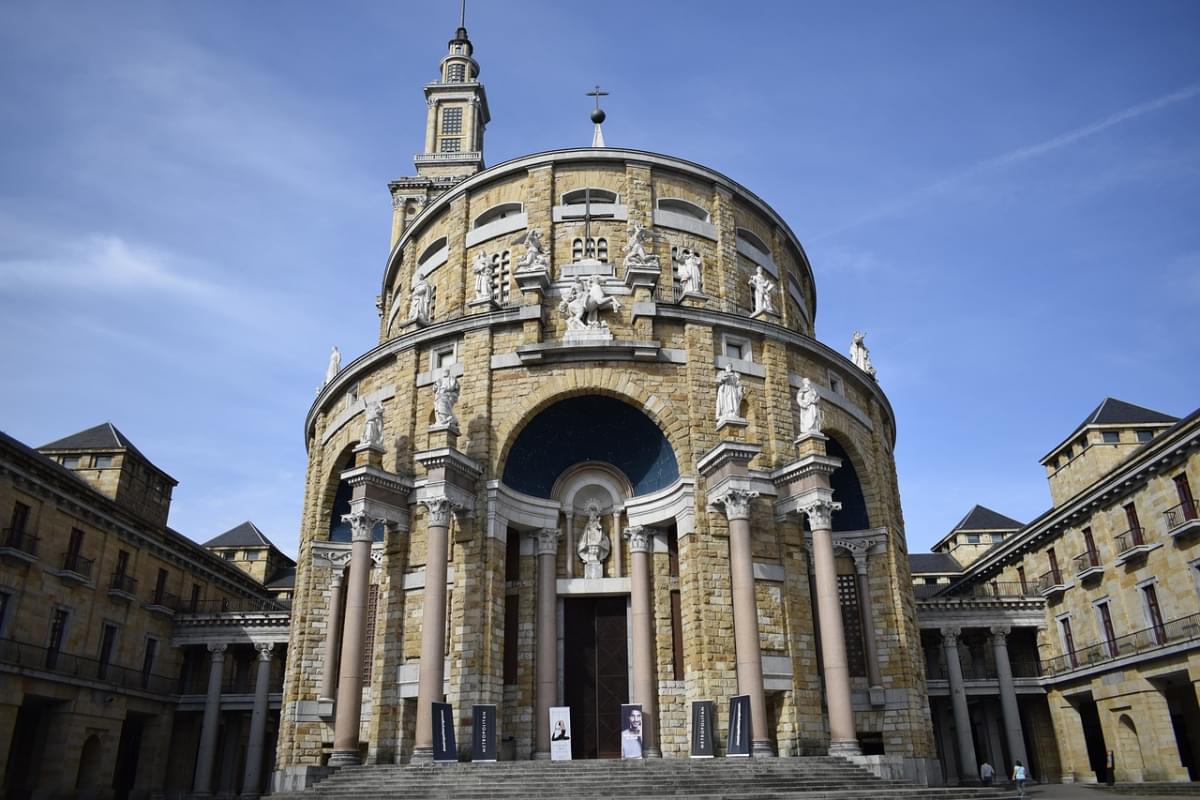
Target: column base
x=652, y=752
x=849, y=747
x=344, y=758
x=421, y=755
x=761, y=750
x=542, y=756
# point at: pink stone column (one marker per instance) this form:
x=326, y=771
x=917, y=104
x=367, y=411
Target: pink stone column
x=349, y=694
x=842, y=737
x=736, y=503
x=432, y=676
x=645, y=690
x=333, y=630
x=252, y=777
x=546, y=666
x=206, y=754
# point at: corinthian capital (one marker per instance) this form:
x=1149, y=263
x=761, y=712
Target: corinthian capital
x=820, y=513
x=639, y=539
x=362, y=526
x=736, y=503
x=547, y=541
x=264, y=650
x=440, y=509
x=950, y=636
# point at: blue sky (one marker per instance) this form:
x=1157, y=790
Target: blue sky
x=193, y=207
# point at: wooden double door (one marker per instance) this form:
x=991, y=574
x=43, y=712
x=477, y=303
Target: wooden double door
x=595, y=673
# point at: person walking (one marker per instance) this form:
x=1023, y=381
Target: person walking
x=1018, y=776
x=986, y=773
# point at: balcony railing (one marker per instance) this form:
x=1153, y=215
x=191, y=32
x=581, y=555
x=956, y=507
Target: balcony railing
x=1131, y=544
x=1182, y=518
x=164, y=600
x=73, y=562
x=29, y=656
x=1087, y=563
x=123, y=584
x=232, y=605
x=1050, y=582
x=673, y=295
x=1179, y=630
x=1021, y=668
x=19, y=539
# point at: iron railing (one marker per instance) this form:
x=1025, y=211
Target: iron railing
x=1085, y=561
x=165, y=600
x=1130, y=539
x=986, y=671
x=73, y=562
x=1175, y=517
x=123, y=583
x=30, y=656
x=1183, y=629
x=991, y=590
x=673, y=295
x=1049, y=580
x=229, y=605
x=20, y=539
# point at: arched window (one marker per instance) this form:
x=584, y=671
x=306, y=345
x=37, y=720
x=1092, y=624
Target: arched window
x=501, y=276
x=456, y=73
x=497, y=212
x=753, y=240
x=594, y=247
x=679, y=206
x=578, y=197
x=431, y=251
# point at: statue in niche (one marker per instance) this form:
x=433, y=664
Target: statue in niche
x=729, y=394
x=593, y=545
x=482, y=267
x=635, y=248
x=860, y=356
x=762, y=288
x=420, y=301
x=372, y=435
x=812, y=417
x=445, y=395
x=690, y=273
x=582, y=304
x=535, y=252
x=335, y=364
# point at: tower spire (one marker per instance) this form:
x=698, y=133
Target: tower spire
x=598, y=116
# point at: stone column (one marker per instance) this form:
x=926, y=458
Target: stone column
x=868, y=624
x=333, y=629
x=546, y=665
x=843, y=739
x=258, y=723
x=618, y=567
x=349, y=694
x=1008, y=696
x=645, y=690
x=968, y=766
x=208, y=727
x=736, y=503
x=432, y=677
x=572, y=557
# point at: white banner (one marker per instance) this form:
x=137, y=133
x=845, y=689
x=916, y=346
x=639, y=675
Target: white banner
x=560, y=733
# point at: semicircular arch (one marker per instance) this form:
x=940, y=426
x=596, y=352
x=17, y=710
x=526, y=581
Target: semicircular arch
x=851, y=482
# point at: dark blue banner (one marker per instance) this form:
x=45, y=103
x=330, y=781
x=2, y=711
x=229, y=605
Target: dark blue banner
x=484, y=745
x=703, y=714
x=444, y=748
x=739, y=726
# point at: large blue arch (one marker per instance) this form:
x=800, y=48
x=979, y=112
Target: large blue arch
x=590, y=428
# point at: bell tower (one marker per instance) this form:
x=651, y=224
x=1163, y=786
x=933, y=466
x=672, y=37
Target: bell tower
x=457, y=113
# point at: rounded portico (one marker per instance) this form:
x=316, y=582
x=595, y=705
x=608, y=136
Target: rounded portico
x=599, y=458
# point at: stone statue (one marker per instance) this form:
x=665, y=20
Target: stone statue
x=373, y=427
x=593, y=546
x=482, y=267
x=635, y=248
x=860, y=355
x=812, y=417
x=690, y=273
x=535, y=252
x=445, y=395
x=420, y=302
x=729, y=394
x=763, y=287
x=335, y=364
x=582, y=303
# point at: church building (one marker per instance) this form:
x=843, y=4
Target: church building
x=598, y=457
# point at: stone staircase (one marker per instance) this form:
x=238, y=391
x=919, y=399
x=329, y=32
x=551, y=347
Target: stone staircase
x=717, y=779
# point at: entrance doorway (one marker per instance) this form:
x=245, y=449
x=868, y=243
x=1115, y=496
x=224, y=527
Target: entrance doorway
x=595, y=673
x=1093, y=736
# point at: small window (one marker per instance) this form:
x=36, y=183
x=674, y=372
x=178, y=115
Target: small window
x=578, y=197
x=683, y=207
x=443, y=357
x=736, y=347
x=229, y=555
x=502, y=276
x=452, y=120
x=973, y=538
x=456, y=73
x=252, y=555
x=1145, y=436
x=148, y=660
x=71, y=462
x=498, y=212
x=1083, y=444
x=5, y=601
x=103, y=462
x=752, y=240
x=450, y=145
x=1111, y=437
x=835, y=384
x=997, y=537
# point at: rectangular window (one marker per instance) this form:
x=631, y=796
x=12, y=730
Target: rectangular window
x=103, y=462
x=1089, y=544
x=444, y=357
x=194, y=602
x=58, y=633
x=452, y=120
x=75, y=544
x=1068, y=641
x=122, y=564
x=108, y=642
x=456, y=73
x=1106, y=628
x=5, y=601
x=18, y=525
x=972, y=538
x=1135, y=527
x=512, y=621
x=673, y=553
x=1145, y=436
x=1154, y=613
x=451, y=145
x=148, y=661
x=512, y=556
x=1021, y=578
x=1054, y=571
x=160, y=586
x=852, y=623
x=1184, y=491
x=1111, y=437
x=677, y=667
x=71, y=462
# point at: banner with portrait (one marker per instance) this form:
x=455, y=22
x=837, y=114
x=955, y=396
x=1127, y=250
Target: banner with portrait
x=560, y=733
x=631, y=731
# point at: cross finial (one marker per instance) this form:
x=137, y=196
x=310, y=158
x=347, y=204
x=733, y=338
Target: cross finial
x=596, y=93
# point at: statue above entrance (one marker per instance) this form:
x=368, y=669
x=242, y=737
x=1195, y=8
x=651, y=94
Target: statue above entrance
x=594, y=546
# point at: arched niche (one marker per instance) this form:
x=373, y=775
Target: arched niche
x=847, y=490
x=339, y=529
x=589, y=428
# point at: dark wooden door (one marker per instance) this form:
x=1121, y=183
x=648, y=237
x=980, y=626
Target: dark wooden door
x=595, y=673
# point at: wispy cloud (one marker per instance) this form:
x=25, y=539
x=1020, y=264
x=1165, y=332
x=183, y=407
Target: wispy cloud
x=909, y=199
